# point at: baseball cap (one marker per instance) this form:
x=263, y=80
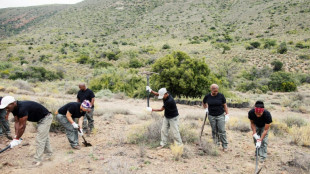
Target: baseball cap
x=162, y=92
x=6, y=101
x=86, y=104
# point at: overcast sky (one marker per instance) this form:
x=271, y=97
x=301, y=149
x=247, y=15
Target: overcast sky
x=26, y=3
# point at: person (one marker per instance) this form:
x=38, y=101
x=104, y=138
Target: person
x=4, y=123
x=87, y=94
x=33, y=112
x=171, y=119
x=260, y=123
x=66, y=115
x=215, y=106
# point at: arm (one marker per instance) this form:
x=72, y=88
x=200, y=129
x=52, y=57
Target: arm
x=78, y=100
x=69, y=117
x=162, y=108
x=205, y=105
x=155, y=93
x=92, y=101
x=20, y=126
x=81, y=122
x=225, y=108
x=253, y=127
x=267, y=126
x=7, y=115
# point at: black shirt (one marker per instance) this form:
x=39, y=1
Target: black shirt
x=170, y=106
x=85, y=95
x=215, y=103
x=260, y=121
x=33, y=110
x=73, y=108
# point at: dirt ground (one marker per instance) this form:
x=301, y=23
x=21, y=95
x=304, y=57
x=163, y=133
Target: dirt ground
x=111, y=153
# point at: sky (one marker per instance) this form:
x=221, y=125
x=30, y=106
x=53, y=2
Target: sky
x=26, y=3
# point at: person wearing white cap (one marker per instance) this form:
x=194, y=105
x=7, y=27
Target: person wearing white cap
x=171, y=119
x=33, y=112
x=4, y=123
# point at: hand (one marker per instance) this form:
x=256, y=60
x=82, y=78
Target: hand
x=148, y=89
x=81, y=132
x=15, y=142
x=149, y=109
x=258, y=144
x=207, y=111
x=256, y=136
x=226, y=117
x=75, y=126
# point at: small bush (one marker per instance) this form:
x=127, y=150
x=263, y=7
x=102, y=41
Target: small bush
x=238, y=125
x=11, y=89
x=277, y=65
x=177, y=151
x=268, y=43
x=73, y=90
x=36, y=73
x=282, y=49
x=301, y=45
x=249, y=47
x=104, y=93
x=209, y=148
x=24, y=85
x=282, y=81
x=83, y=59
x=255, y=44
x=135, y=63
x=279, y=128
x=304, y=57
x=166, y=46
x=295, y=121
x=300, y=135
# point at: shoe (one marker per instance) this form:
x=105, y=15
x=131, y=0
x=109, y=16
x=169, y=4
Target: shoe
x=48, y=158
x=225, y=150
x=76, y=147
x=160, y=147
x=36, y=163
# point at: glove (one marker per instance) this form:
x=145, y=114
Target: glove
x=75, y=126
x=258, y=144
x=15, y=142
x=226, y=117
x=81, y=132
x=148, y=89
x=149, y=109
x=207, y=111
x=256, y=136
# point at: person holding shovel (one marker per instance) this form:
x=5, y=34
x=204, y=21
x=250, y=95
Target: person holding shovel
x=87, y=94
x=216, y=108
x=4, y=123
x=171, y=119
x=24, y=111
x=67, y=114
x=260, y=123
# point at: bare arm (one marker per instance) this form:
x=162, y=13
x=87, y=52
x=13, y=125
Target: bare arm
x=205, y=105
x=267, y=126
x=92, y=101
x=78, y=100
x=81, y=122
x=155, y=93
x=20, y=126
x=69, y=117
x=225, y=108
x=253, y=127
x=7, y=115
x=162, y=108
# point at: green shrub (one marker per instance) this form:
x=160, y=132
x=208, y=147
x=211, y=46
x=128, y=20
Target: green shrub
x=277, y=65
x=295, y=121
x=181, y=75
x=301, y=45
x=36, y=73
x=166, y=46
x=83, y=59
x=249, y=47
x=282, y=49
x=104, y=93
x=255, y=44
x=135, y=63
x=304, y=57
x=282, y=81
x=268, y=43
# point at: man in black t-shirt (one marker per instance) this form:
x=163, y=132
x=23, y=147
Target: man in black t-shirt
x=24, y=111
x=216, y=108
x=87, y=94
x=171, y=119
x=260, y=124
x=66, y=116
x=4, y=123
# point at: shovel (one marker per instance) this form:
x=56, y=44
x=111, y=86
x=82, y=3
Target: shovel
x=203, y=126
x=257, y=171
x=6, y=148
x=86, y=144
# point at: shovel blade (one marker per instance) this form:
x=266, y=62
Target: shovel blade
x=86, y=144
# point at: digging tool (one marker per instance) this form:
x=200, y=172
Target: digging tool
x=202, y=128
x=5, y=132
x=86, y=144
x=256, y=165
x=148, y=84
x=6, y=148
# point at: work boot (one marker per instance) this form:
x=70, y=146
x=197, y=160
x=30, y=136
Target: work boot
x=36, y=163
x=76, y=147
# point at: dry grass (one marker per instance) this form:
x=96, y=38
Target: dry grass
x=238, y=124
x=208, y=148
x=177, y=151
x=300, y=135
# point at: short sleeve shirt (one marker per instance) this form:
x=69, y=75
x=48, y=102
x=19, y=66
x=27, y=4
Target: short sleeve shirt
x=215, y=104
x=33, y=110
x=73, y=108
x=260, y=121
x=85, y=95
x=170, y=106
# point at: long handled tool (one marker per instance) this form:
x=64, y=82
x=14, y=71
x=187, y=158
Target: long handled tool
x=202, y=128
x=257, y=171
x=6, y=148
x=148, y=93
x=86, y=144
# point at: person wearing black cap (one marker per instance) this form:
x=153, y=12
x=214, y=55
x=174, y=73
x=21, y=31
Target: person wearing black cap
x=260, y=123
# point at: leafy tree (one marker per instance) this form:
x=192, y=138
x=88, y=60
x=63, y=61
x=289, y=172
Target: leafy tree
x=135, y=63
x=282, y=81
x=181, y=75
x=277, y=65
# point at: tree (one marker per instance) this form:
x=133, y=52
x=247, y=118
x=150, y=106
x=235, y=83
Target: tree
x=181, y=75
x=282, y=81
